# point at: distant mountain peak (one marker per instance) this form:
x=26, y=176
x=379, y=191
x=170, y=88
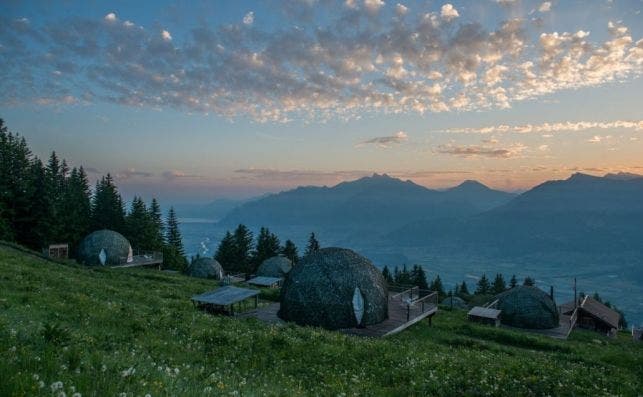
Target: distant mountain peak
x=622, y=176
x=581, y=177
x=470, y=183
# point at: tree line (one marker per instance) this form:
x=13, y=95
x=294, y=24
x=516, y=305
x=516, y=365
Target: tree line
x=237, y=251
x=41, y=204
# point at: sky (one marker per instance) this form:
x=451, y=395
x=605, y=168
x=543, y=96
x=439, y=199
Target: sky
x=189, y=102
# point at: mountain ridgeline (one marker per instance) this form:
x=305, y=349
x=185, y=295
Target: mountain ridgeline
x=379, y=202
x=582, y=213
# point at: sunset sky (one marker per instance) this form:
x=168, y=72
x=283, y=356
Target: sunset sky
x=238, y=98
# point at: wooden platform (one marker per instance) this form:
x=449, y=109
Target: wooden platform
x=561, y=332
x=143, y=260
x=397, y=321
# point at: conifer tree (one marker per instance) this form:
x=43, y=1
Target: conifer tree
x=529, y=282
x=16, y=191
x=313, y=245
x=289, y=250
x=499, y=284
x=243, y=249
x=464, y=290
x=157, y=228
x=75, y=210
x=513, y=282
x=267, y=247
x=107, y=207
x=436, y=285
x=419, y=277
x=139, y=225
x=387, y=274
x=483, y=286
x=174, y=254
x=226, y=253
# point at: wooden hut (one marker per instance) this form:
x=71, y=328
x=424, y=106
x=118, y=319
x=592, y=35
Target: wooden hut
x=484, y=315
x=593, y=315
x=264, y=281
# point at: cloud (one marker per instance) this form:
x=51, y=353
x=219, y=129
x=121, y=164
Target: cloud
x=131, y=173
x=386, y=141
x=351, y=64
x=373, y=6
x=549, y=128
x=599, y=138
x=545, y=6
x=166, y=35
x=481, y=151
x=249, y=18
x=448, y=12
x=174, y=174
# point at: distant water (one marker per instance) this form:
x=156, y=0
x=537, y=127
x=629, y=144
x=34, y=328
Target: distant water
x=202, y=236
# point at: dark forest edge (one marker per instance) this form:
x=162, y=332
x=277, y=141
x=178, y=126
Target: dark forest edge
x=42, y=204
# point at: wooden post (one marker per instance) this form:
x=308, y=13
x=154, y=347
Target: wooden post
x=408, y=312
x=256, y=301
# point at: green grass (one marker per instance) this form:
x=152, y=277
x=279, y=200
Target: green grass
x=134, y=331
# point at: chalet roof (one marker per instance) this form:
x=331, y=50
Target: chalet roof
x=479, y=311
x=600, y=311
x=264, y=281
x=224, y=296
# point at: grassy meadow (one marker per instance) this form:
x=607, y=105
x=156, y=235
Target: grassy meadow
x=76, y=331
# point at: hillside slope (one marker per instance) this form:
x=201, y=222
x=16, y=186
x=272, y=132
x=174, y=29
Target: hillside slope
x=134, y=331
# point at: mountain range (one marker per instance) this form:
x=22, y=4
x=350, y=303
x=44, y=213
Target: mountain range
x=583, y=213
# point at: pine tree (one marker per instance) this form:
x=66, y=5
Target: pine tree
x=174, y=254
x=243, y=249
x=107, y=207
x=139, y=225
x=436, y=286
x=76, y=208
x=513, y=282
x=483, y=287
x=464, y=290
x=529, y=281
x=499, y=284
x=313, y=245
x=289, y=250
x=403, y=277
x=157, y=229
x=267, y=247
x=16, y=189
x=226, y=253
x=419, y=277
x=387, y=275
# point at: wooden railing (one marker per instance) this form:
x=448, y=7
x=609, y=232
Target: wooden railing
x=411, y=292
x=430, y=300
x=142, y=258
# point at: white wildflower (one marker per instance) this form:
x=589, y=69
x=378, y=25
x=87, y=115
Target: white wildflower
x=128, y=372
x=56, y=386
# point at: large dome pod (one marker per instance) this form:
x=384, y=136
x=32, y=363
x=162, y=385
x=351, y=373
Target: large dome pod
x=527, y=307
x=104, y=247
x=334, y=288
x=277, y=266
x=205, y=268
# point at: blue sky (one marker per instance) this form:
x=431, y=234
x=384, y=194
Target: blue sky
x=233, y=99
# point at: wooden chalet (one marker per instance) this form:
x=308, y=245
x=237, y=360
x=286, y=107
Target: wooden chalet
x=592, y=314
x=57, y=251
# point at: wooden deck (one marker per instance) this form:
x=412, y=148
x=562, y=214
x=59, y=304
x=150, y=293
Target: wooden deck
x=566, y=325
x=153, y=258
x=397, y=321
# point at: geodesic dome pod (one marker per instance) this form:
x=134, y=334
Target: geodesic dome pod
x=457, y=302
x=527, y=307
x=334, y=288
x=205, y=268
x=104, y=247
x=277, y=266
